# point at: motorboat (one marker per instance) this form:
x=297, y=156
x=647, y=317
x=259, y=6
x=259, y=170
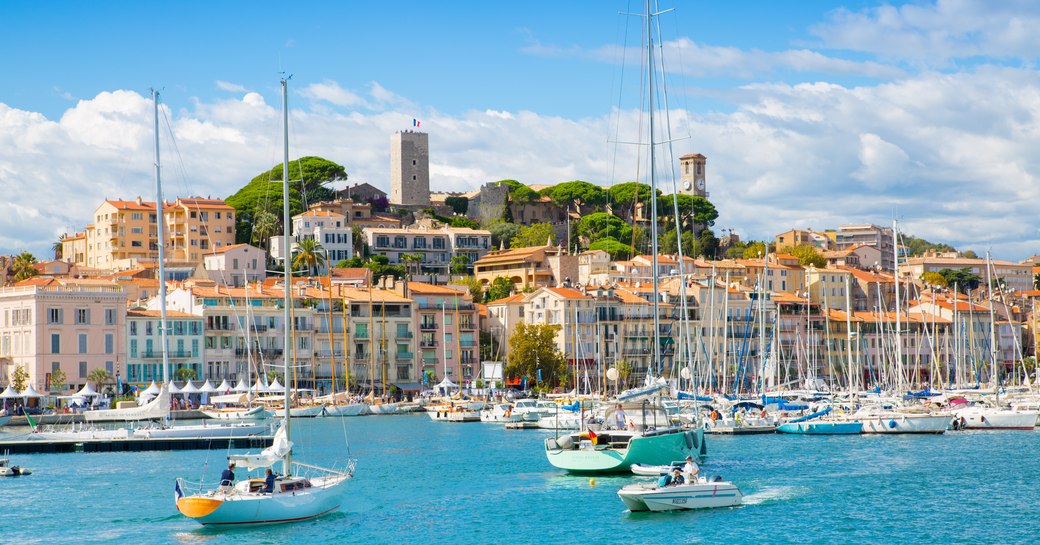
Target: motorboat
x=453, y=413
x=8, y=470
x=349, y=409
x=197, y=431
x=739, y=421
x=980, y=417
x=647, y=470
x=237, y=413
x=701, y=494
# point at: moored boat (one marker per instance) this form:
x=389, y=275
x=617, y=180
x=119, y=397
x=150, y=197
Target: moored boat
x=696, y=495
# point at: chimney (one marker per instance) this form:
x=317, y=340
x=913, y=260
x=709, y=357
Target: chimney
x=138, y=199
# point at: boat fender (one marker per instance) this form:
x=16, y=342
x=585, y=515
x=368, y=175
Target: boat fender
x=689, y=439
x=982, y=419
x=714, y=415
x=891, y=423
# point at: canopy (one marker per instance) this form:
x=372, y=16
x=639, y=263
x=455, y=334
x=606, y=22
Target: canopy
x=258, y=387
x=10, y=393
x=241, y=386
x=276, y=387
x=207, y=387
x=190, y=388
x=31, y=392
x=152, y=390
x=224, y=386
x=173, y=388
x=86, y=391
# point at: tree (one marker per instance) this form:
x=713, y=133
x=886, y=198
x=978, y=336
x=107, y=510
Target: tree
x=602, y=225
x=503, y=232
x=538, y=234
x=309, y=254
x=707, y=244
x=380, y=267
x=379, y=203
x=458, y=204
x=500, y=288
x=693, y=210
x=184, y=374
x=577, y=193
x=359, y=241
x=275, y=375
x=99, y=376
x=58, y=247
x=1036, y=281
x=617, y=250
x=807, y=255
x=20, y=378
x=969, y=254
x=963, y=279
x=459, y=264
x=532, y=348
x=754, y=250
x=624, y=370
x=520, y=193
x=310, y=177
x=58, y=379
x=476, y=289
x=265, y=225
x=411, y=261
x=627, y=194
x=935, y=279
x=24, y=266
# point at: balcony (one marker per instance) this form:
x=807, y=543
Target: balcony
x=154, y=354
x=405, y=335
x=431, y=326
x=360, y=335
x=467, y=326
x=428, y=344
x=359, y=356
x=429, y=361
x=405, y=356
x=467, y=344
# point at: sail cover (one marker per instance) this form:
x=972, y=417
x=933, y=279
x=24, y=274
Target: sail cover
x=156, y=409
x=267, y=457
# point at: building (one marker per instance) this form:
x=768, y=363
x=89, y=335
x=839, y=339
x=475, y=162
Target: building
x=593, y=267
x=329, y=229
x=692, y=169
x=448, y=325
x=357, y=214
x=529, y=267
x=1016, y=276
x=410, y=168
x=427, y=248
x=362, y=193
x=868, y=235
x=236, y=265
x=184, y=339
x=124, y=234
x=380, y=339
x=803, y=237
x=52, y=324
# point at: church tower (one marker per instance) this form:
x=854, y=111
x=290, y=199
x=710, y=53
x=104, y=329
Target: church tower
x=692, y=176
x=410, y=168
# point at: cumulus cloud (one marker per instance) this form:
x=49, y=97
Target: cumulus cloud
x=950, y=155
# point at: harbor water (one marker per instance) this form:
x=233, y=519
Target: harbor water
x=441, y=483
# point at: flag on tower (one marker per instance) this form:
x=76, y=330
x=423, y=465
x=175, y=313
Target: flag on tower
x=416, y=122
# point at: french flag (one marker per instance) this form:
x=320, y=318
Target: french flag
x=416, y=122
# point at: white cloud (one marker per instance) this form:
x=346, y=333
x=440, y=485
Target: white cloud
x=232, y=87
x=951, y=156
x=331, y=92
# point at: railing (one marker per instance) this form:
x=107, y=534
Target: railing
x=467, y=325
x=427, y=344
x=467, y=344
x=405, y=335
x=429, y=361
x=149, y=354
x=360, y=335
x=428, y=327
x=405, y=356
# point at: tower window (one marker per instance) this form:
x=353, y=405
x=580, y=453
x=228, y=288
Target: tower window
x=413, y=177
x=413, y=162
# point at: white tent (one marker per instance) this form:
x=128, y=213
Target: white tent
x=10, y=393
x=259, y=387
x=153, y=390
x=30, y=392
x=241, y=386
x=224, y=386
x=86, y=391
x=173, y=388
x=189, y=388
x=208, y=388
x=276, y=387
x=446, y=385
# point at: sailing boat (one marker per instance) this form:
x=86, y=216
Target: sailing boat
x=649, y=437
x=293, y=496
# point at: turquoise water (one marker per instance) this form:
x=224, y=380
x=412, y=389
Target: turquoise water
x=428, y=482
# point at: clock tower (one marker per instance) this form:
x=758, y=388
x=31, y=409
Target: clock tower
x=692, y=178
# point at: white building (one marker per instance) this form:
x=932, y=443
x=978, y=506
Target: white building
x=329, y=229
x=236, y=265
x=434, y=247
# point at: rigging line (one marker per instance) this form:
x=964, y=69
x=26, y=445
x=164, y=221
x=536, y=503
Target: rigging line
x=619, y=82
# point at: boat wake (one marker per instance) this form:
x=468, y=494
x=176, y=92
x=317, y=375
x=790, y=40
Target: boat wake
x=773, y=494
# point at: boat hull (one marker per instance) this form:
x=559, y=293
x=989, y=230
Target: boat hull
x=231, y=430
x=897, y=423
x=237, y=509
x=309, y=411
x=354, y=409
x=821, y=428
x=992, y=419
x=255, y=413
x=649, y=497
x=657, y=449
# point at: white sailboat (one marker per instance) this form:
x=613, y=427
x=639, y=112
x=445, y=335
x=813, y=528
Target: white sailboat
x=301, y=491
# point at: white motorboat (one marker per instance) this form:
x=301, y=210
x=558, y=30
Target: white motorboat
x=565, y=420
x=350, y=409
x=979, y=417
x=698, y=495
x=453, y=413
x=382, y=408
x=498, y=413
x=8, y=470
x=647, y=470
x=300, y=411
x=198, y=431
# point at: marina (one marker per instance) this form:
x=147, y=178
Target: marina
x=482, y=484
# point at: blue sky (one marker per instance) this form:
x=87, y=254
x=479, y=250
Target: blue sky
x=811, y=113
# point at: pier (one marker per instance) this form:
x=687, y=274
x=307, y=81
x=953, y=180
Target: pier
x=135, y=444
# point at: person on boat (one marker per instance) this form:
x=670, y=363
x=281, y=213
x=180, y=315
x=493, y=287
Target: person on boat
x=268, y=482
x=677, y=477
x=620, y=418
x=691, y=469
x=227, y=477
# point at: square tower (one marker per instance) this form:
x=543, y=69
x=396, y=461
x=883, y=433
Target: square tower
x=692, y=167
x=410, y=168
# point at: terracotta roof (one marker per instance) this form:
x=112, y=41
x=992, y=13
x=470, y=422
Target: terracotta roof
x=630, y=298
x=511, y=254
x=424, y=288
x=361, y=295
x=515, y=298
x=223, y=249
x=131, y=205
x=868, y=276
x=141, y=313
x=197, y=202
x=351, y=273
x=319, y=213
x=568, y=293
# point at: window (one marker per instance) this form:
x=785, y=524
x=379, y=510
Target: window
x=136, y=244
x=54, y=316
x=133, y=328
x=217, y=215
x=136, y=216
x=82, y=369
x=55, y=343
x=110, y=316
x=133, y=348
x=82, y=343
x=82, y=316
x=109, y=343
x=137, y=230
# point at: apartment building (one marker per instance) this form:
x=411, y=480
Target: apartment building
x=236, y=265
x=528, y=267
x=52, y=324
x=868, y=235
x=380, y=339
x=448, y=325
x=184, y=341
x=1017, y=276
x=431, y=245
x=329, y=229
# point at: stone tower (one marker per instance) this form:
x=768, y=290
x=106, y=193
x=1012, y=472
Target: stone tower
x=410, y=168
x=692, y=167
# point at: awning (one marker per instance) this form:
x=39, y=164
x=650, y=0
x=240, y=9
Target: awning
x=408, y=386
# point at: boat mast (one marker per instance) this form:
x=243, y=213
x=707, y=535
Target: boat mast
x=899, y=312
x=159, y=233
x=287, y=335
x=992, y=333
x=655, y=270
x=848, y=330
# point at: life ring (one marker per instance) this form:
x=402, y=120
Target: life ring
x=714, y=415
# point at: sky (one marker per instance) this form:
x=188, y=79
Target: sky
x=812, y=114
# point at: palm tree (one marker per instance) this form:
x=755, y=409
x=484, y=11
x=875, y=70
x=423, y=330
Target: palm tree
x=57, y=247
x=265, y=224
x=24, y=266
x=100, y=377
x=309, y=253
x=411, y=260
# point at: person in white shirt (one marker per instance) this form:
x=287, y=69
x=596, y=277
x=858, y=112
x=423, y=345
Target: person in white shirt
x=620, y=418
x=691, y=469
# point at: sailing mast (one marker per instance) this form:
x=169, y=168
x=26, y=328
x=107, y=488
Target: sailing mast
x=992, y=334
x=655, y=268
x=286, y=261
x=167, y=377
x=899, y=329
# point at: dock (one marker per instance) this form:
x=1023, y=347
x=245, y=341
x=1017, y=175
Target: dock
x=135, y=444
x=522, y=425
x=77, y=418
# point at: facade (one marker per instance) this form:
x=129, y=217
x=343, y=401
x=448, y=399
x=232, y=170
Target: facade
x=236, y=265
x=868, y=235
x=380, y=339
x=184, y=338
x=433, y=245
x=448, y=325
x=410, y=168
x=64, y=325
x=692, y=168
x=328, y=229
x=356, y=214
x=803, y=237
x=529, y=267
x=195, y=225
x=1018, y=276
x=593, y=268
